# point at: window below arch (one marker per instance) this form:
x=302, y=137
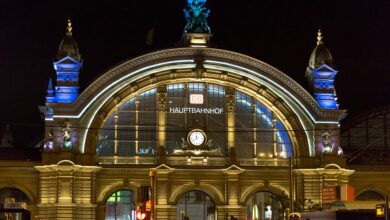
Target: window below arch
x=195, y=205
x=120, y=206
x=12, y=193
x=265, y=205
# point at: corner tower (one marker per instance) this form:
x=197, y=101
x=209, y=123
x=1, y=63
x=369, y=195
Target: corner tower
x=321, y=73
x=67, y=66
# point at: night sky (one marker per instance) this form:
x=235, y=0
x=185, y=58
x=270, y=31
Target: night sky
x=281, y=33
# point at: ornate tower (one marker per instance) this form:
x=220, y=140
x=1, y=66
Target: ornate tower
x=321, y=73
x=62, y=134
x=67, y=66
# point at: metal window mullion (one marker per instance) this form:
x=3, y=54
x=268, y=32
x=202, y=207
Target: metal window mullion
x=116, y=119
x=186, y=95
x=275, y=144
x=136, y=124
x=254, y=126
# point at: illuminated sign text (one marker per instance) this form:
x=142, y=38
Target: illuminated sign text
x=196, y=110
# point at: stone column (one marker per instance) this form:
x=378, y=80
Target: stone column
x=162, y=120
x=230, y=106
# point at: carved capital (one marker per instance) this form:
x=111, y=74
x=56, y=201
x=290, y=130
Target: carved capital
x=161, y=101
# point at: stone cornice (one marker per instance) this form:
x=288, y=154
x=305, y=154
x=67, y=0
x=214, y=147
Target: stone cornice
x=67, y=168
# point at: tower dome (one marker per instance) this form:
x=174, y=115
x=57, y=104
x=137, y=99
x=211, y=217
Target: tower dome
x=68, y=46
x=320, y=54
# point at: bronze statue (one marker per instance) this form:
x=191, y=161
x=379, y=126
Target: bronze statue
x=196, y=17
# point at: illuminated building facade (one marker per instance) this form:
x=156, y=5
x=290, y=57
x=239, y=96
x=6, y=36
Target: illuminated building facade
x=192, y=132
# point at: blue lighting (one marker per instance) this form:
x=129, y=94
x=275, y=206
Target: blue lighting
x=323, y=86
x=66, y=89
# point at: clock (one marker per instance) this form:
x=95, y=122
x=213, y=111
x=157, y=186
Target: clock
x=196, y=137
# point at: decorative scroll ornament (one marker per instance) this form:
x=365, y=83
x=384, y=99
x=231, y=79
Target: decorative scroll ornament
x=66, y=138
x=196, y=16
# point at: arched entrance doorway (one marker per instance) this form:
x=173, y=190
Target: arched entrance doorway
x=265, y=206
x=195, y=205
x=120, y=206
x=370, y=195
x=14, y=204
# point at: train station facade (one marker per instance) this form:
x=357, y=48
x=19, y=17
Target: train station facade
x=191, y=132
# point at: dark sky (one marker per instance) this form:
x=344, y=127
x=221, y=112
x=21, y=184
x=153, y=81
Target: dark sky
x=281, y=33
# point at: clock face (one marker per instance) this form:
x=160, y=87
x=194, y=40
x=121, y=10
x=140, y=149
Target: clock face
x=196, y=137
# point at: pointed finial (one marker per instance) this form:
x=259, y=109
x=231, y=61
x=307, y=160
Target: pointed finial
x=50, y=86
x=69, y=28
x=319, y=37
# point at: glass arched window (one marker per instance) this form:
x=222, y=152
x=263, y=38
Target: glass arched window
x=195, y=205
x=133, y=128
x=259, y=133
x=264, y=206
x=120, y=206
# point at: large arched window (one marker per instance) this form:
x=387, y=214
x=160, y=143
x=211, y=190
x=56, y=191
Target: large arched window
x=195, y=205
x=133, y=128
x=265, y=206
x=120, y=206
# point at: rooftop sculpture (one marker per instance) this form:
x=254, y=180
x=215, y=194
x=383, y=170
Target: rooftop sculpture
x=196, y=16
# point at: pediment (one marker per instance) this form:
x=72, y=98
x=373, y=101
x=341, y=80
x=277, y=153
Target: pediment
x=233, y=169
x=325, y=68
x=67, y=60
x=163, y=167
